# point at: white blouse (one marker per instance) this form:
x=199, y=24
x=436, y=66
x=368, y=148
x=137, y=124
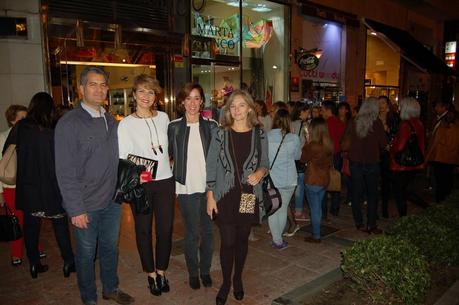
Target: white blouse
x=137, y=135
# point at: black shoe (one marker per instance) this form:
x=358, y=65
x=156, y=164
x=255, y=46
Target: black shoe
x=42, y=254
x=119, y=297
x=68, y=268
x=220, y=301
x=194, y=282
x=238, y=295
x=154, y=290
x=206, y=280
x=37, y=268
x=15, y=262
x=162, y=283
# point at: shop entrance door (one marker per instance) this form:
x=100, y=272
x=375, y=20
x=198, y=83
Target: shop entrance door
x=218, y=81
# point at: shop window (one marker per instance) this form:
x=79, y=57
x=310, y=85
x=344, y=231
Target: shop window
x=382, y=69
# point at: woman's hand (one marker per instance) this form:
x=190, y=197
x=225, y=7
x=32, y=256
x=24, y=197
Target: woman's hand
x=211, y=204
x=255, y=177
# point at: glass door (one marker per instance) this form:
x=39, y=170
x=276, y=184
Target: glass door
x=218, y=81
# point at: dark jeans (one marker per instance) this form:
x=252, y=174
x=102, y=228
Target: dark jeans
x=32, y=226
x=386, y=183
x=364, y=177
x=403, y=190
x=335, y=196
x=444, y=180
x=234, y=246
x=160, y=194
x=102, y=235
x=198, y=233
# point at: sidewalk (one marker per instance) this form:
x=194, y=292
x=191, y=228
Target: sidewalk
x=268, y=274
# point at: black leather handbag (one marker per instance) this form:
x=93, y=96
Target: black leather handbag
x=411, y=155
x=9, y=226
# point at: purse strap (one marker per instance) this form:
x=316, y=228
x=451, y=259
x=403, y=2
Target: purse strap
x=277, y=152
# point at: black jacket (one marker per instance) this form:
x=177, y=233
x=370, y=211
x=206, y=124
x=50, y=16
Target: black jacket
x=178, y=134
x=128, y=187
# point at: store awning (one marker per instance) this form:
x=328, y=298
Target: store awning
x=410, y=48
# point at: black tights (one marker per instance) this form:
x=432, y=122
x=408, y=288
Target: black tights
x=233, y=251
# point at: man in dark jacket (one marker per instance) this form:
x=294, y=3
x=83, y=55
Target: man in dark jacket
x=86, y=147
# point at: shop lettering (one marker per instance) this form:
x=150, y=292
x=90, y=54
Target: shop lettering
x=319, y=74
x=223, y=36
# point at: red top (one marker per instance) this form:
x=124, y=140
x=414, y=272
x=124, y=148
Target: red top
x=402, y=138
x=336, y=130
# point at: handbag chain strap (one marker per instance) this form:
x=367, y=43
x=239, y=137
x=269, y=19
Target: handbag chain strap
x=277, y=152
x=235, y=159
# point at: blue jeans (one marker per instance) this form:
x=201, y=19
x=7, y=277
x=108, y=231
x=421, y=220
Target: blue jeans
x=364, y=177
x=102, y=234
x=299, y=194
x=315, y=195
x=198, y=233
x=278, y=220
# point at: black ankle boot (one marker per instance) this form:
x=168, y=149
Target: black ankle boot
x=220, y=300
x=154, y=290
x=68, y=268
x=162, y=283
x=222, y=294
x=37, y=268
x=238, y=295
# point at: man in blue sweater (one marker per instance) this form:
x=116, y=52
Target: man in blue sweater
x=86, y=147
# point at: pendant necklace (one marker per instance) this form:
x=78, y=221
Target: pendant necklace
x=153, y=147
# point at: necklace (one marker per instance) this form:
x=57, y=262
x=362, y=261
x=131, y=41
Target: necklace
x=153, y=147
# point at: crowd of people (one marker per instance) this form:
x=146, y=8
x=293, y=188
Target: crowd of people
x=214, y=170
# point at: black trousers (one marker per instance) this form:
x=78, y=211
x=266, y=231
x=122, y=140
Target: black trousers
x=386, y=183
x=160, y=194
x=404, y=190
x=234, y=245
x=32, y=227
x=444, y=180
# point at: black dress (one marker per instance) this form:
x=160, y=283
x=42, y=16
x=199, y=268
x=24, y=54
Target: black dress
x=228, y=205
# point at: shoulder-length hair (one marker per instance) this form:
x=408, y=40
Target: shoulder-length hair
x=184, y=93
x=319, y=133
x=368, y=113
x=409, y=108
x=282, y=121
x=42, y=110
x=227, y=119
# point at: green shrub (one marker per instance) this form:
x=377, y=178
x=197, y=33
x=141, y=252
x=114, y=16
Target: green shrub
x=387, y=266
x=431, y=234
x=446, y=214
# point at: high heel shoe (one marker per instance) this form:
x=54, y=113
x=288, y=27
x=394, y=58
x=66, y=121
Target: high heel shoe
x=37, y=268
x=238, y=295
x=154, y=289
x=162, y=283
x=16, y=262
x=68, y=268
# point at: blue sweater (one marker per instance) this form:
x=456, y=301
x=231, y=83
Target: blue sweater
x=86, y=161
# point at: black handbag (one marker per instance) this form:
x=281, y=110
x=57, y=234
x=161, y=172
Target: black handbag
x=272, y=199
x=9, y=226
x=411, y=155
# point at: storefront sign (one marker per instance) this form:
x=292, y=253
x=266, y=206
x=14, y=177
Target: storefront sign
x=178, y=61
x=450, y=54
x=308, y=61
x=223, y=34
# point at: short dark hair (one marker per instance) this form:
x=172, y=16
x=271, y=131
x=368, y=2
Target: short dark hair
x=183, y=94
x=264, y=109
x=298, y=109
x=12, y=111
x=330, y=106
x=348, y=108
x=90, y=69
x=282, y=121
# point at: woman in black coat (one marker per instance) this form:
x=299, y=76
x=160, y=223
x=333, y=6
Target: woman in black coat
x=37, y=191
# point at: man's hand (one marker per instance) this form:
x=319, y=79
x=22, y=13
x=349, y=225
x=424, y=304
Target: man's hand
x=80, y=221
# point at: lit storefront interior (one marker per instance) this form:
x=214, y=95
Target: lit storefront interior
x=320, y=60
x=228, y=52
x=382, y=71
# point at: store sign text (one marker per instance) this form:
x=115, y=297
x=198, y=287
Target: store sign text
x=308, y=62
x=314, y=74
x=224, y=36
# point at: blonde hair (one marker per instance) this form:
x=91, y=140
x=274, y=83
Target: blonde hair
x=319, y=133
x=228, y=120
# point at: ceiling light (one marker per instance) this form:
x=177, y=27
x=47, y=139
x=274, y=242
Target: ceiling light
x=274, y=67
x=261, y=8
x=374, y=34
x=106, y=64
x=236, y=3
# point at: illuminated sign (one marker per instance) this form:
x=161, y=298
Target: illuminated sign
x=450, y=54
x=307, y=61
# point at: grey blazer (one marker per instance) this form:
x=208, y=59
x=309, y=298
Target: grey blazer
x=220, y=167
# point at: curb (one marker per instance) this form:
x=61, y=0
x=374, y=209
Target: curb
x=301, y=294
x=451, y=296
